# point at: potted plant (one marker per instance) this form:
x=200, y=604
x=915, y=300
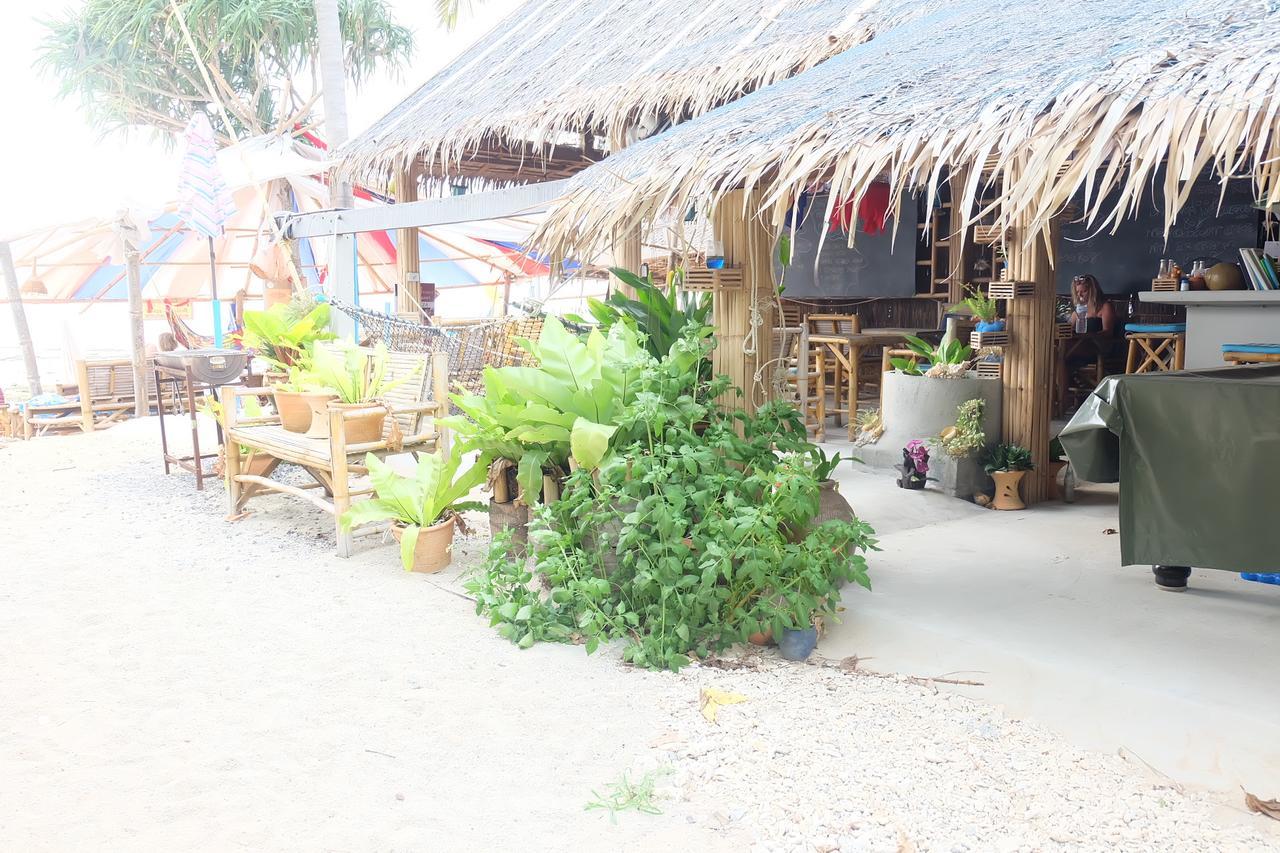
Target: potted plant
x=985, y=310
x=1007, y=464
x=285, y=336
x=424, y=509
x=915, y=465
x=357, y=380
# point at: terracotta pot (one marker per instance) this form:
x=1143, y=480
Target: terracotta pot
x=761, y=638
x=831, y=504
x=434, y=549
x=256, y=465
x=1007, y=490
x=365, y=427
x=295, y=409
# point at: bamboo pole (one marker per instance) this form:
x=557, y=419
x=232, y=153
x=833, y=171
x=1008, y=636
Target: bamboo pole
x=744, y=340
x=128, y=235
x=20, y=326
x=408, y=262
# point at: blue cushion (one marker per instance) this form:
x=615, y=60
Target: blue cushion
x=1265, y=348
x=1138, y=328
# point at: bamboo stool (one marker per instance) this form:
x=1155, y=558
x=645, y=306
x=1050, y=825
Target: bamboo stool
x=832, y=359
x=1251, y=353
x=1161, y=348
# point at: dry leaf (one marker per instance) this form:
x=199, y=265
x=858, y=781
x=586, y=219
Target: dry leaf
x=1109, y=531
x=712, y=700
x=1267, y=808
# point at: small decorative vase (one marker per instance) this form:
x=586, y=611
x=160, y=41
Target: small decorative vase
x=831, y=504
x=1007, y=489
x=797, y=645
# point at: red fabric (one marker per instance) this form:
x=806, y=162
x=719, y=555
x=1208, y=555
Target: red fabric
x=873, y=211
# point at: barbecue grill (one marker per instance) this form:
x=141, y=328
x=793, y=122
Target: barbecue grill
x=211, y=366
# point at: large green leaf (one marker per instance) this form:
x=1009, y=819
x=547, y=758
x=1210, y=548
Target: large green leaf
x=408, y=544
x=590, y=442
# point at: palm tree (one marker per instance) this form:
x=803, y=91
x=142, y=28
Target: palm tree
x=448, y=11
x=333, y=80
x=130, y=63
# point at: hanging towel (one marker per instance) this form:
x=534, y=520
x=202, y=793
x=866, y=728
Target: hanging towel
x=874, y=210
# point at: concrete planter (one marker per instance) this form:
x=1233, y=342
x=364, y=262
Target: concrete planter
x=921, y=407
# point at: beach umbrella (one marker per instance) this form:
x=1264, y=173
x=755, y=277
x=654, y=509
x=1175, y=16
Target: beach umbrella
x=204, y=202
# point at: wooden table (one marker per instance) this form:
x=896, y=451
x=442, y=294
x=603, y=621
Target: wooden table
x=846, y=352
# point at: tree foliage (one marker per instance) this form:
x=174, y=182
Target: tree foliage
x=130, y=63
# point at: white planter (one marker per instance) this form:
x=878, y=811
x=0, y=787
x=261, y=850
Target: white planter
x=921, y=407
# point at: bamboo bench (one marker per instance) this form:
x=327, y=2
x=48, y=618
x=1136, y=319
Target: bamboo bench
x=106, y=396
x=413, y=407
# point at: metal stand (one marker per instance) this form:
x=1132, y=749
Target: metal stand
x=185, y=389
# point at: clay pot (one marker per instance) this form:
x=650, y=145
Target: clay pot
x=509, y=515
x=761, y=638
x=1224, y=277
x=434, y=549
x=295, y=409
x=363, y=428
x=1007, y=490
x=257, y=464
x=831, y=504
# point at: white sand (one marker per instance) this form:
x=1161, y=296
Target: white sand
x=171, y=681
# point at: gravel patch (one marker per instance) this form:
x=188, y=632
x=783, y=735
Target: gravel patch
x=189, y=683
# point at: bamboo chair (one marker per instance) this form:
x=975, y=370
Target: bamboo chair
x=106, y=397
x=411, y=425
x=833, y=360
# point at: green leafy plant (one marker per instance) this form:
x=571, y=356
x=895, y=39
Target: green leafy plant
x=567, y=405
x=952, y=355
x=625, y=795
x=433, y=494
x=283, y=335
x=966, y=437
x=1008, y=457
x=354, y=374
x=977, y=303
x=684, y=541
x=661, y=317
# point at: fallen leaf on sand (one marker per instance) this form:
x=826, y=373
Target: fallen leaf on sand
x=711, y=700
x=1269, y=808
x=1110, y=531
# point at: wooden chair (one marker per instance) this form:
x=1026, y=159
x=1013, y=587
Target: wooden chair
x=1156, y=348
x=789, y=369
x=1251, y=353
x=413, y=409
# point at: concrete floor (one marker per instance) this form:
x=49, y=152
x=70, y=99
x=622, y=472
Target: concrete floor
x=1035, y=605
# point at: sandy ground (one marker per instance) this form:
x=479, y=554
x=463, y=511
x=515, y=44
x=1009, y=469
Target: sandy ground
x=172, y=681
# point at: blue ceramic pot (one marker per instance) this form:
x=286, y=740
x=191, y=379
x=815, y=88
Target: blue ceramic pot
x=715, y=263
x=993, y=326
x=798, y=645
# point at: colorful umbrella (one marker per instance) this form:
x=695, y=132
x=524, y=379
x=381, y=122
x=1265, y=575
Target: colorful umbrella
x=204, y=202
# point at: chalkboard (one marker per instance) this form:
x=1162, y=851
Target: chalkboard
x=1127, y=260
x=874, y=266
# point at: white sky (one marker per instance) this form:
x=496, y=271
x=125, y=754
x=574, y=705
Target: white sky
x=55, y=168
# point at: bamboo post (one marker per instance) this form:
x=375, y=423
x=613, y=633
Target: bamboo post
x=128, y=235
x=748, y=244
x=960, y=245
x=408, y=262
x=1028, y=369
x=20, y=327
x=86, y=395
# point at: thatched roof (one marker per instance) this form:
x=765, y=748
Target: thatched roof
x=595, y=67
x=1051, y=98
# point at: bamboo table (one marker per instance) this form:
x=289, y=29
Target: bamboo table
x=846, y=352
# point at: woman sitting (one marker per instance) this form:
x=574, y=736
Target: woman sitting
x=1091, y=303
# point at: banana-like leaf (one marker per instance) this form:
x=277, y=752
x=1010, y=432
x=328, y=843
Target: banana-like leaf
x=529, y=475
x=589, y=442
x=408, y=544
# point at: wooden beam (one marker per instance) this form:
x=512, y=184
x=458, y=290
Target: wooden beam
x=408, y=264
x=748, y=244
x=129, y=237
x=23, y=331
x=1028, y=368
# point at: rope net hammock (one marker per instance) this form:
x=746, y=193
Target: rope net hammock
x=470, y=347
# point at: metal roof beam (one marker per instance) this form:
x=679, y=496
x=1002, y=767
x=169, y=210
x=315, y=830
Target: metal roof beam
x=476, y=207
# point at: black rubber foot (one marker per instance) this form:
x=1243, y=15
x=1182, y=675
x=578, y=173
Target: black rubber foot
x=1171, y=578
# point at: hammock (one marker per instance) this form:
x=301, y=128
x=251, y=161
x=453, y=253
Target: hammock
x=470, y=348
x=191, y=339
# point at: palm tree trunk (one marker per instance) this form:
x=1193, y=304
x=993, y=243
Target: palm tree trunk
x=333, y=79
x=19, y=318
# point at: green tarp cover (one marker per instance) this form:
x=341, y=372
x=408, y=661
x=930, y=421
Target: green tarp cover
x=1197, y=456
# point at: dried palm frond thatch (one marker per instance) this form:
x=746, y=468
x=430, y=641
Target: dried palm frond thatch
x=1051, y=99
x=556, y=67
